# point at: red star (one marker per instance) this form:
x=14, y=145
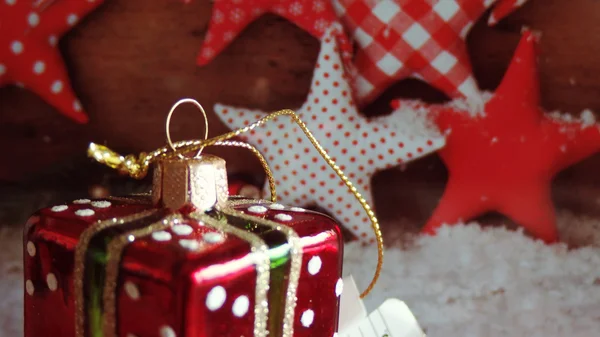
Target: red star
x=505, y=159
x=29, y=56
x=414, y=38
x=230, y=17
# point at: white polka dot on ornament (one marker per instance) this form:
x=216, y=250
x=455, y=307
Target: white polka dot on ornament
x=10, y=2
x=161, y=236
x=167, y=331
x=314, y=265
x=339, y=287
x=29, y=287
x=182, y=229
x=51, y=282
x=216, y=298
x=257, y=209
x=52, y=40
x=59, y=208
x=132, y=290
x=189, y=244
x=31, y=248
x=101, y=204
x=307, y=318
x=213, y=237
x=81, y=201
x=283, y=217
x=85, y=212
x=39, y=67
x=240, y=306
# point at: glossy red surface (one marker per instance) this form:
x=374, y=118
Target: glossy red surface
x=171, y=283
x=321, y=240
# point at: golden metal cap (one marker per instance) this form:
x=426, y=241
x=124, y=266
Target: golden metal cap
x=200, y=183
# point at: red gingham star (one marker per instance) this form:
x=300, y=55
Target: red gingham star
x=29, y=56
x=504, y=158
x=230, y=17
x=414, y=38
x=360, y=146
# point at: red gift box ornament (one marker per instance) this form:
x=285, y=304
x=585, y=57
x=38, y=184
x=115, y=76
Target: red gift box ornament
x=186, y=259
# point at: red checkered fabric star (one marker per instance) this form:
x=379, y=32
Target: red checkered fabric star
x=414, y=38
x=230, y=17
x=29, y=56
x=505, y=158
x=360, y=146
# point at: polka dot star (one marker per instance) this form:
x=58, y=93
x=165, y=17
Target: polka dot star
x=230, y=17
x=414, y=38
x=360, y=146
x=29, y=55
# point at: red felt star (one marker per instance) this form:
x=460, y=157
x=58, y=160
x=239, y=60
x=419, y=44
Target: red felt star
x=505, y=159
x=230, y=17
x=414, y=38
x=29, y=56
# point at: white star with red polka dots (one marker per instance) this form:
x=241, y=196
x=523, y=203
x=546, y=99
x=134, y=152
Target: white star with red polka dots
x=360, y=146
x=29, y=55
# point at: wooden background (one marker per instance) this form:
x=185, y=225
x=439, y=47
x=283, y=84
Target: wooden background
x=130, y=60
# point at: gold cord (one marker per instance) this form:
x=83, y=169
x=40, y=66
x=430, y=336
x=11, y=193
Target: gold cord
x=137, y=167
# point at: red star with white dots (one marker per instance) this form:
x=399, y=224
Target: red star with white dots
x=29, y=56
x=230, y=17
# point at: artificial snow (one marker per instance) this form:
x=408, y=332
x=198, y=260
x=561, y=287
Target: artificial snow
x=586, y=118
x=469, y=282
x=412, y=119
x=473, y=106
x=465, y=282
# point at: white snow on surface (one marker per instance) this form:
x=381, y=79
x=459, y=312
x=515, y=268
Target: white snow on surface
x=469, y=282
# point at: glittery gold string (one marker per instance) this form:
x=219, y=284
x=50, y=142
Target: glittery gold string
x=260, y=255
x=116, y=247
x=114, y=256
x=137, y=167
x=80, y=255
x=293, y=241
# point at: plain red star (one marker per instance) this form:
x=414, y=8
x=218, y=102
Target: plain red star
x=505, y=159
x=230, y=17
x=29, y=56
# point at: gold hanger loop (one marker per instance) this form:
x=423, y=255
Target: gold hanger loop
x=168, y=125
